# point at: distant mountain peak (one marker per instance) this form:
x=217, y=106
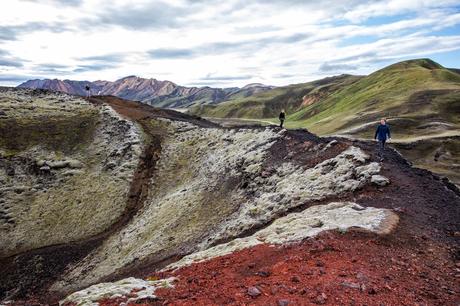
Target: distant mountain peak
x=420, y=62
x=129, y=77
x=255, y=85
x=152, y=91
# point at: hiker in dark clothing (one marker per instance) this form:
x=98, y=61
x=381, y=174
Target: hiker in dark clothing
x=382, y=134
x=88, y=91
x=282, y=117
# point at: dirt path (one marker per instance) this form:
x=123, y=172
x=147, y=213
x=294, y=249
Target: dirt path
x=139, y=112
x=235, y=122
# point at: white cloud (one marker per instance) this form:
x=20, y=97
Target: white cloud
x=395, y=7
x=187, y=41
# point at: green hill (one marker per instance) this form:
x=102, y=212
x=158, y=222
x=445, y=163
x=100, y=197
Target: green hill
x=418, y=96
x=268, y=104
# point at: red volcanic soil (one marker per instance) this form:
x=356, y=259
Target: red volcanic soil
x=353, y=268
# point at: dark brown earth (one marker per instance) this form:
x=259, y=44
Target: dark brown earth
x=418, y=264
x=138, y=111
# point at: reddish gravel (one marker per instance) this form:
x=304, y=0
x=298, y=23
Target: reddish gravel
x=407, y=267
x=354, y=268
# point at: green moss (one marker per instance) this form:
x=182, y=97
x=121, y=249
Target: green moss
x=55, y=133
x=85, y=205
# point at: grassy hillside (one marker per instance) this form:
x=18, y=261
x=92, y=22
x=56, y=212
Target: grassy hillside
x=269, y=103
x=439, y=155
x=418, y=96
x=411, y=93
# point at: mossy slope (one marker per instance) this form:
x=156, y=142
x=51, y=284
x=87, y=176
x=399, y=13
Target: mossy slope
x=65, y=167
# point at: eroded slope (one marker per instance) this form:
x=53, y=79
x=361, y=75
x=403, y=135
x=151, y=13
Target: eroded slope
x=196, y=198
x=203, y=191
x=66, y=169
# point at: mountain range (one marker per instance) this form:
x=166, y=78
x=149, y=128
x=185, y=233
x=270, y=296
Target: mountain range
x=150, y=91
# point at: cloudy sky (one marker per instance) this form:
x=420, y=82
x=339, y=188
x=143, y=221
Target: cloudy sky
x=221, y=43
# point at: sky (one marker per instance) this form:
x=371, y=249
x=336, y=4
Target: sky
x=221, y=43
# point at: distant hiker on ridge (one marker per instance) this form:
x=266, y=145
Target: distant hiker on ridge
x=282, y=117
x=88, y=91
x=382, y=134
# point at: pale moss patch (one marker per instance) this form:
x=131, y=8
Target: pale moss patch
x=145, y=289
x=298, y=226
x=90, y=154
x=86, y=204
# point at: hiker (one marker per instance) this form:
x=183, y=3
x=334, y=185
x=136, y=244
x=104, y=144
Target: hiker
x=282, y=117
x=88, y=91
x=382, y=134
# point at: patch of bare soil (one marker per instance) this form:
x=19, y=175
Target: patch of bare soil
x=138, y=111
x=303, y=148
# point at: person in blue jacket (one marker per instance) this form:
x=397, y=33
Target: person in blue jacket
x=382, y=134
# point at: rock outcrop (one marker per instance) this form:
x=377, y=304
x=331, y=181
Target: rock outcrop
x=137, y=289
x=299, y=226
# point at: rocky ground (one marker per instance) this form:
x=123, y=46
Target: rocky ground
x=198, y=214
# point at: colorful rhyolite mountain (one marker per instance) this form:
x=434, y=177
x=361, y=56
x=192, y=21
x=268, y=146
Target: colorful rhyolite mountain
x=150, y=91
